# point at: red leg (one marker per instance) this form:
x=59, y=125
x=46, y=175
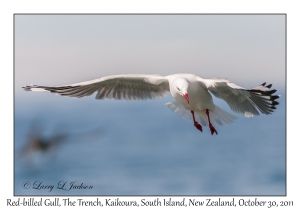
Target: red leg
x=211, y=127
x=196, y=124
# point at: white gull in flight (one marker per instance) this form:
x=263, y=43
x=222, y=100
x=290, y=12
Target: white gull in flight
x=192, y=95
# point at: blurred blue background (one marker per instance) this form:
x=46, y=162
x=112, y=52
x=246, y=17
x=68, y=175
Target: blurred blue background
x=145, y=149
x=142, y=148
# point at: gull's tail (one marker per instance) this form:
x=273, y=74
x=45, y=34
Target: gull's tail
x=217, y=117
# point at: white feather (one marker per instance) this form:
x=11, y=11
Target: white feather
x=218, y=117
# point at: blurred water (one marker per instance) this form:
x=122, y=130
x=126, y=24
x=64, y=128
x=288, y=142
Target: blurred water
x=145, y=149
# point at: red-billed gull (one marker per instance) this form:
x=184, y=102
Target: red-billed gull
x=193, y=99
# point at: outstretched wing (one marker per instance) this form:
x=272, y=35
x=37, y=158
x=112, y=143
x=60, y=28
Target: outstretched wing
x=248, y=102
x=128, y=87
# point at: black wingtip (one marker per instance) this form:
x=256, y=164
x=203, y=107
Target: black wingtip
x=27, y=88
x=274, y=97
x=270, y=92
x=268, y=102
x=269, y=86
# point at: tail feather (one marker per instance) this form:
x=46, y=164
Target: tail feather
x=224, y=117
x=179, y=110
x=218, y=117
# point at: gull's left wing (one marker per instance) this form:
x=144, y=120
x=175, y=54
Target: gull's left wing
x=244, y=101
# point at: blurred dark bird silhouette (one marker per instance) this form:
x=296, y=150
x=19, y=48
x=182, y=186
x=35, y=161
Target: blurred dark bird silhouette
x=37, y=142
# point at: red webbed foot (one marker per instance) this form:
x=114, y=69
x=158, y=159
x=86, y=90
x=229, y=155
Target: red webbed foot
x=198, y=126
x=212, y=129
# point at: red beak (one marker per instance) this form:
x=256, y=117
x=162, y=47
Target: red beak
x=186, y=97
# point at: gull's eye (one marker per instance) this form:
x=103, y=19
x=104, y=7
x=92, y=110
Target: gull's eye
x=178, y=89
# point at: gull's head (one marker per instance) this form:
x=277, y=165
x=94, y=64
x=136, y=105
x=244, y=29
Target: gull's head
x=181, y=86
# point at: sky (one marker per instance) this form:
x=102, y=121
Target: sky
x=64, y=49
